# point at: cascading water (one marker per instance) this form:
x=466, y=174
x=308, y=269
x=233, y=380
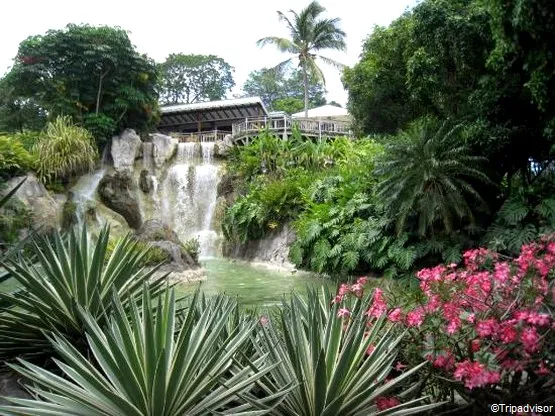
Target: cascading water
x=84, y=191
x=84, y=194
x=188, y=195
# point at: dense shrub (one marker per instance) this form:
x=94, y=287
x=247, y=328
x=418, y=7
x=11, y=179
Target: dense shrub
x=64, y=150
x=485, y=326
x=14, y=157
x=192, y=248
x=269, y=204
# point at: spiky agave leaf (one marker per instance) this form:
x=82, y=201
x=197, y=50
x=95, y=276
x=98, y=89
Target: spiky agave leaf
x=68, y=273
x=146, y=363
x=326, y=358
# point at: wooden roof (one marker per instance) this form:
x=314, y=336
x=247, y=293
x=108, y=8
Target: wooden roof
x=183, y=116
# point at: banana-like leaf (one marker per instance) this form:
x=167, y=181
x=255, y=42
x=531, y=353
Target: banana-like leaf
x=145, y=363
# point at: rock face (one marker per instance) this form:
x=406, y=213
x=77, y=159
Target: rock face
x=162, y=236
x=125, y=149
x=223, y=147
x=118, y=191
x=145, y=182
x=11, y=386
x=45, y=210
x=273, y=249
x=164, y=148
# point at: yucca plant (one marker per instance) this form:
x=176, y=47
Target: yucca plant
x=325, y=354
x=144, y=363
x=69, y=272
x=63, y=150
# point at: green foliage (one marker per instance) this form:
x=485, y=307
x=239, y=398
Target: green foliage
x=524, y=34
x=524, y=216
x=14, y=217
x=14, y=157
x=378, y=99
x=267, y=206
x=71, y=274
x=281, y=89
x=64, y=150
x=17, y=113
x=154, y=255
x=309, y=34
x=194, y=78
x=428, y=61
x=192, y=248
x=324, y=357
x=27, y=138
x=429, y=179
x=279, y=170
x=153, y=362
x=83, y=70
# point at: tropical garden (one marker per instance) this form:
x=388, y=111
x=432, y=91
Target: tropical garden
x=437, y=223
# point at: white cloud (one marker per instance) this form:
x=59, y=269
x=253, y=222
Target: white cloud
x=228, y=29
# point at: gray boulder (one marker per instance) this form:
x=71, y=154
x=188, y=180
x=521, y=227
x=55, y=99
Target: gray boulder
x=44, y=210
x=145, y=182
x=125, y=149
x=162, y=236
x=11, y=385
x=163, y=148
x=118, y=191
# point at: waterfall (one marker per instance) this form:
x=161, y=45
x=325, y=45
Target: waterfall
x=84, y=193
x=148, y=160
x=188, y=195
x=183, y=194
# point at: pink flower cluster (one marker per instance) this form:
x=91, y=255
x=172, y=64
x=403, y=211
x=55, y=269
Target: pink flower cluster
x=384, y=402
x=484, y=320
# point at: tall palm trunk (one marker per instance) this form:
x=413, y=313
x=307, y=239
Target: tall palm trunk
x=305, y=84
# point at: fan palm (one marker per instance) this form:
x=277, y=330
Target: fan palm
x=308, y=35
x=428, y=174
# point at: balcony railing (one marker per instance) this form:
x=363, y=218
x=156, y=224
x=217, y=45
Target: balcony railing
x=203, y=136
x=283, y=125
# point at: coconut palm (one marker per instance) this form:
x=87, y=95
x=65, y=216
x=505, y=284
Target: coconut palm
x=308, y=35
x=429, y=177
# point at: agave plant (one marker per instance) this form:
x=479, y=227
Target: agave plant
x=69, y=272
x=327, y=357
x=147, y=364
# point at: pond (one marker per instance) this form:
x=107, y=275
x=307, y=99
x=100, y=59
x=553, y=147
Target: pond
x=253, y=285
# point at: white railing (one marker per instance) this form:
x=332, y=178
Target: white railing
x=202, y=136
x=284, y=124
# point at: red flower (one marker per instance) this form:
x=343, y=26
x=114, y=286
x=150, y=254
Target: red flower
x=383, y=402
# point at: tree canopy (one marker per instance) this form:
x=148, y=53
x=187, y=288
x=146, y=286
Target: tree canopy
x=93, y=74
x=281, y=89
x=309, y=34
x=194, y=78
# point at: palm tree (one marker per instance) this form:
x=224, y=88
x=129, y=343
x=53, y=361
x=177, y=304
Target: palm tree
x=309, y=34
x=428, y=175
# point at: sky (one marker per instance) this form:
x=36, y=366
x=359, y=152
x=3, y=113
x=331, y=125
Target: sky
x=228, y=29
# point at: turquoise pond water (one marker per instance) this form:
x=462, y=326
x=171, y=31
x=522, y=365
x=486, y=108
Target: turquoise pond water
x=253, y=285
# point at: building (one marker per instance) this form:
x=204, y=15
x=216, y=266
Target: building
x=243, y=118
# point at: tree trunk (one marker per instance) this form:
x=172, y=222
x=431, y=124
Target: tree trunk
x=305, y=84
x=99, y=93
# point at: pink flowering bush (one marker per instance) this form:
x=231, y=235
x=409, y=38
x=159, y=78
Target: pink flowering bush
x=486, y=326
